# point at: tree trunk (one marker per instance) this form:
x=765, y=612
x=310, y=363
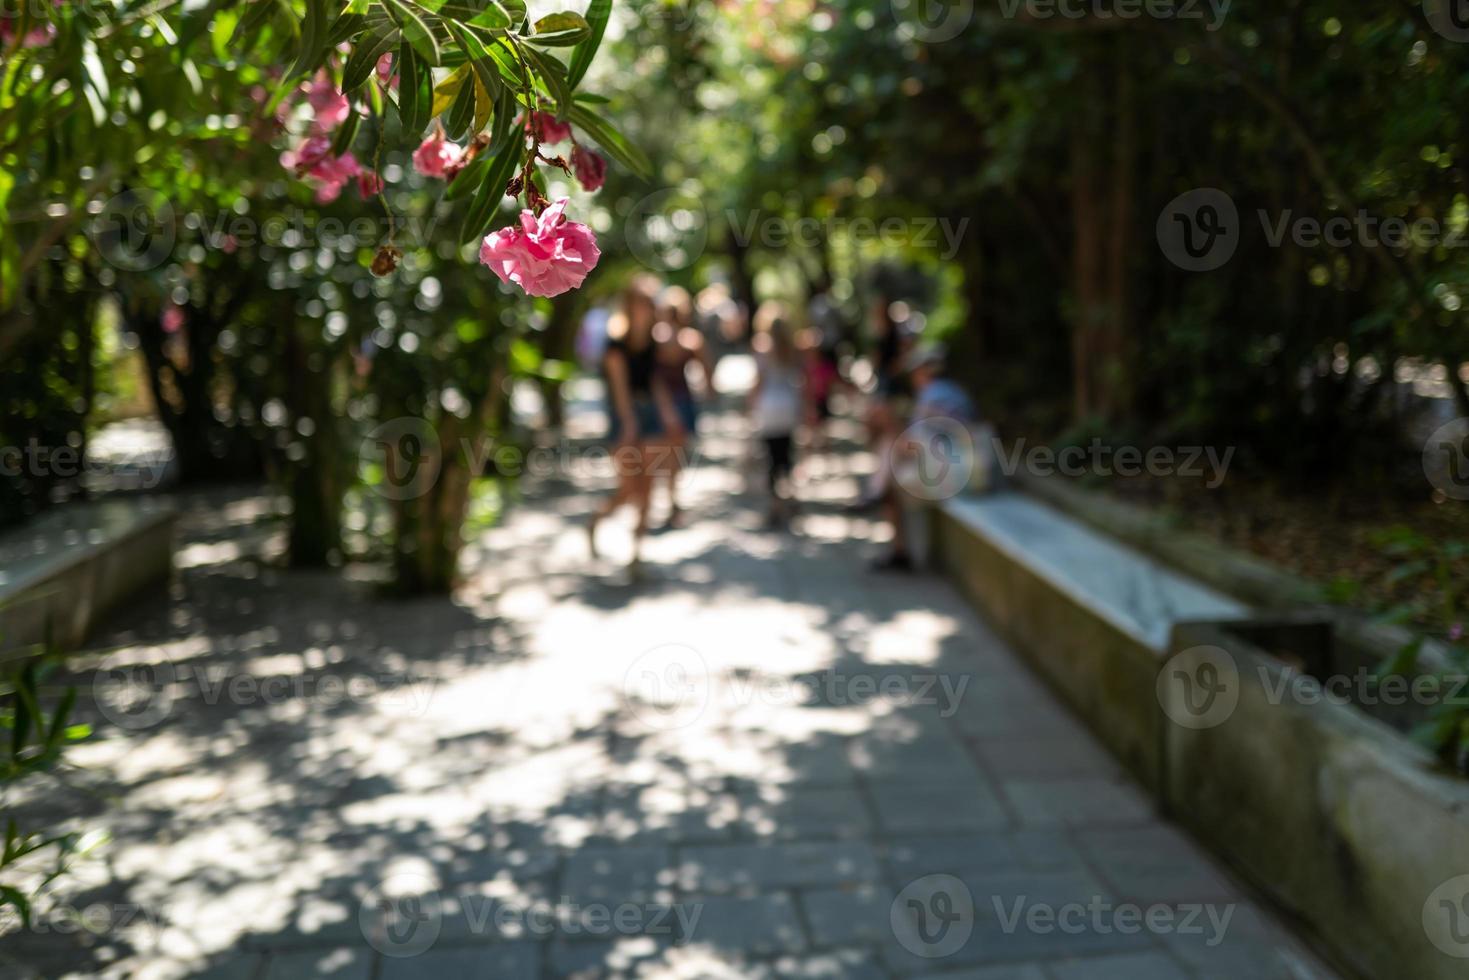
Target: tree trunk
x=1086, y=278
x=315, y=538
x=1114, y=373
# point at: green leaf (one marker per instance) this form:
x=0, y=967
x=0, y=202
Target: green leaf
x=505, y=114
x=493, y=18
x=365, y=55
x=552, y=75
x=314, y=33
x=561, y=30
x=415, y=91
x=415, y=30
x=248, y=28
x=490, y=193
x=445, y=91
x=347, y=26
x=484, y=106
x=346, y=133
x=484, y=67
x=618, y=146
x=468, y=180
x=598, y=13
x=461, y=113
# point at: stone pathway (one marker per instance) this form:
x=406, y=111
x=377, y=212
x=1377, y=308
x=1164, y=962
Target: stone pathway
x=768, y=762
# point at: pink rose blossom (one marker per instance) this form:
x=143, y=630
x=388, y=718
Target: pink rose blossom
x=549, y=129
x=437, y=157
x=330, y=106
x=369, y=183
x=591, y=170
x=545, y=256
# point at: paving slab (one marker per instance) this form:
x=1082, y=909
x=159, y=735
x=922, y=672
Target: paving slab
x=739, y=754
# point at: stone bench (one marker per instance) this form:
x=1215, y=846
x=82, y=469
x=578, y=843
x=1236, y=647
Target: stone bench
x=1337, y=817
x=1093, y=615
x=71, y=566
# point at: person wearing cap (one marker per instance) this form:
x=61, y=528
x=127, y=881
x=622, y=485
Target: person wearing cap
x=935, y=397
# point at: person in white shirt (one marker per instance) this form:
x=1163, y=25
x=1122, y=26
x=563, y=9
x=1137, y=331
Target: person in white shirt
x=775, y=403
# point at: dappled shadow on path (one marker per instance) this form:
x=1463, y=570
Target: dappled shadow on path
x=726, y=771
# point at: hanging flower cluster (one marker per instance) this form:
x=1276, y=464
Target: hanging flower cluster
x=313, y=158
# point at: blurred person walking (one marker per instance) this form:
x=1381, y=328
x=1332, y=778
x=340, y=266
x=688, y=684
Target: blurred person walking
x=680, y=345
x=775, y=404
x=643, y=425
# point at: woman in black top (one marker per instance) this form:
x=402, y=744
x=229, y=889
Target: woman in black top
x=643, y=427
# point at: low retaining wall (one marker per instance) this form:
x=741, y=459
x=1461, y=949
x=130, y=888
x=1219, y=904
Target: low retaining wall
x=1341, y=819
x=68, y=569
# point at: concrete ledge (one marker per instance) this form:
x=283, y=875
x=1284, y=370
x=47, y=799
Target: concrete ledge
x=1338, y=817
x=1094, y=616
x=1254, y=581
x=70, y=567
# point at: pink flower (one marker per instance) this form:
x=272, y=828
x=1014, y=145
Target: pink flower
x=437, y=157
x=333, y=172
x=330, y=106
x=385, y=71
x=545, y=256
x=37, y=37
x=369, y=183
x=311, y=152
x=172, y=319
x=591, y=170
x=549, y=129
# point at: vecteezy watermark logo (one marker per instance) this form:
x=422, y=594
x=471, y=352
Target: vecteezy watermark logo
x=934, y=459
x=1449, y=18
x=402, y=916
x=1102, y=918
x=667, y=687
x=1199, y=230
x=1199, y=687
x=940, y=235
x=1446, y=917
x=135, y=231
x=1105, y=10
x=933, y=916
x=932, y=21
x=668, y=230
x=1446, y=459
x=134, y=695
x=401, y=458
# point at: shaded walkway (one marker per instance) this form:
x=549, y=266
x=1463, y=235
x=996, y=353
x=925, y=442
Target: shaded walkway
x=730, y=771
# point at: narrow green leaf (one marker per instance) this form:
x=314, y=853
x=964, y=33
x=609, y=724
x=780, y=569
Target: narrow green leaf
x=484, y=106
x=494, y=18
x=414, y=93
x=607, y=136
x=445, y=91
x=598, y=13
x=467, y=181
x=314, y=32
x=415, y=29
x=490, y=193
x=561, y=30
x=346, y=133
x=461, y=113
x=365, y=55
x=552, y=75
